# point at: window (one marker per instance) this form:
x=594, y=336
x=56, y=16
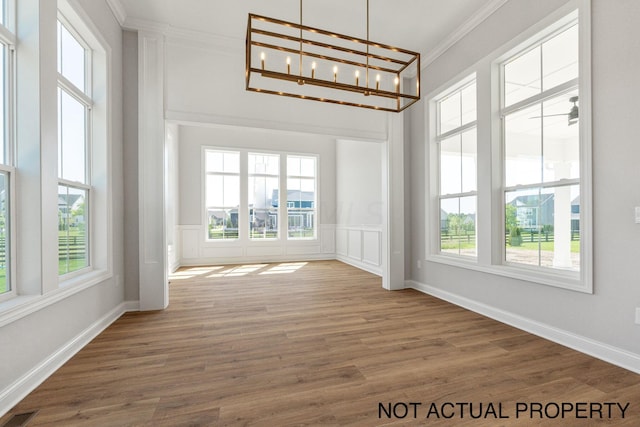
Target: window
x=510, y=158
x=541, y=140
x=301, y=197
x=74, y=143
x=264, y=179
x=7, y=47
x=222, y=194
x=457, y=196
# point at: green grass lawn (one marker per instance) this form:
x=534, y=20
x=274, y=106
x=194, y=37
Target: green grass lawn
x=74, y=264
x=3, y=280
x=545, y=246
x=461, y=242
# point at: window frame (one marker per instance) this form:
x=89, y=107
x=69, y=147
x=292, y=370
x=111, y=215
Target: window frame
x=582, y=280
x=264, y=175
x=205, y=174
x=8, y=39
x=85, y=98
x=285, y=196
x=439, y=137
x=244, y=239
x=491, y=163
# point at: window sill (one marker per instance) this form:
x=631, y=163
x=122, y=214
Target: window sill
x=24, y=305
x=560, y=279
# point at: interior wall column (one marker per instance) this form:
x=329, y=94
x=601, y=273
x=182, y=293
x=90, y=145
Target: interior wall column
x=393, y=221
x=154, y=286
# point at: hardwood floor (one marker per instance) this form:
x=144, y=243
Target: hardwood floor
x=322, y=344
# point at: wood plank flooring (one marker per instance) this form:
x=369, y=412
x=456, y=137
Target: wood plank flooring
x=321, y=344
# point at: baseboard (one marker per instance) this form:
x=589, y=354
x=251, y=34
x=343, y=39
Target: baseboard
x=17, y=391
x=373, y=269
x=600, y=350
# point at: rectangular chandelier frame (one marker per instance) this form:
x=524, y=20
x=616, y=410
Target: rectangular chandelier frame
x=295, y=60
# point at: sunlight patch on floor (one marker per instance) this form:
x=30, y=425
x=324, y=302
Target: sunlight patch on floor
x=237, y=271
x=285, y=268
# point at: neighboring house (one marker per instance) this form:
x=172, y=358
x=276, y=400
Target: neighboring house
x=297, y=199
x=534, y=211
x=67, y=205
x=218, y=217
x=469, y=219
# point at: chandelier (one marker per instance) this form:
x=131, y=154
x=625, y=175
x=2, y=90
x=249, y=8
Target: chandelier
x=294, y=60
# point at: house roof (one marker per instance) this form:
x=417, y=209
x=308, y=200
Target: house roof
x=68, y=199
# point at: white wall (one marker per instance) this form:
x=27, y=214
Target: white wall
x=205, y=82
x=602, y=323
x=130, y=164
x=360, y=203
x=172, y=189
x=36, y=342
x=195, y=250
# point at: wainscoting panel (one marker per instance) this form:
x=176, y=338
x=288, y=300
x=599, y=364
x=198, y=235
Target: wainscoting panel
x=354, y=250
x=360, y=246
x=371, y=247
x=264, y=251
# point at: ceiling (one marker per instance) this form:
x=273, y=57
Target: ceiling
x=424, y=26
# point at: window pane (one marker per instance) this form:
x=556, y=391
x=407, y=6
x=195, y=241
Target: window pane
x=71, y=138
x=231, y=163
x=268, y=164
x=449, y=109
x=214, y=161
x=468, y=104
x=223, y=191
x=3, y=105
x=458, y=226
x=522, y=77
x=450, y=166
x=73, y=237
x=263, y=207
x=5, y=262
x=301, y=197
x=71, y=58
x=469, y=161
x=523, y=147
x=293, y=165
x=308, y=166
x=561, y=145
x=543, y=227
x=560, y=58
x=222, y=223
x=263, y=223
x=222, y=161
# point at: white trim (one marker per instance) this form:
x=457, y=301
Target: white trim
x=469, y=25
x=361, y=260
x=118, y=11
x=28, y=382
x=24, y=305
x=369, y=268
x=550, y=277
x=7, y=37
x=201, y=119
x=600, y=350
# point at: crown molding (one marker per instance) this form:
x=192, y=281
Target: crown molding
x=118, y=11
x=229, y=44
x=464, y=29
x=178, y=35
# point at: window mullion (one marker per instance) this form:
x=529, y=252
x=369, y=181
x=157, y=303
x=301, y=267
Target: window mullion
x=74, y=91
x=540, y=97
x=7, y=37
x=457, y=131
